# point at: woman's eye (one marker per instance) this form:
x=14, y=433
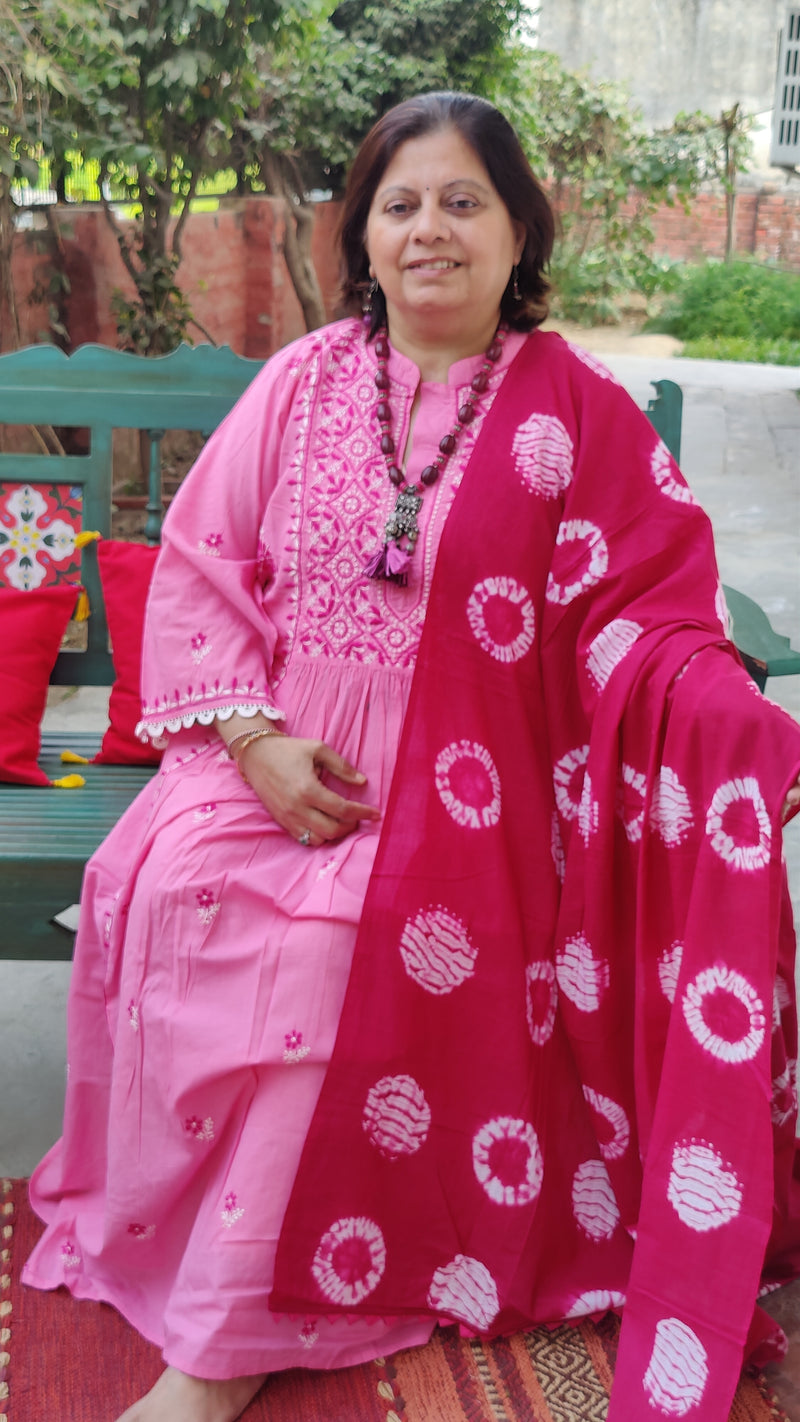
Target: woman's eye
x=463, y=203
x=398, y=209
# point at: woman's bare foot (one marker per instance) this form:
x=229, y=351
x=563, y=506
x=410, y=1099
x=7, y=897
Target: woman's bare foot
x=177, y=1397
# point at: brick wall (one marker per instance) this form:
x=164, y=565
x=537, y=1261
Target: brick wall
x=237, y=285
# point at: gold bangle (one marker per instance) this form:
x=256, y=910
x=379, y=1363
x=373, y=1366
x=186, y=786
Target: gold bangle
x=245, y=737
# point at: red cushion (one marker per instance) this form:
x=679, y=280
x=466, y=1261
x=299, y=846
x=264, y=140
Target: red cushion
x=125, y=573
x=32, y=625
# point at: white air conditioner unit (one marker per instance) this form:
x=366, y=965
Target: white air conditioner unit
x=785, y=149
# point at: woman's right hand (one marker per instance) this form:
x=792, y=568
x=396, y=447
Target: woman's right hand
x=285, y=772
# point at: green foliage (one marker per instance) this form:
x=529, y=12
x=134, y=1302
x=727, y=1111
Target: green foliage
x=735, y=311
x=160, y=318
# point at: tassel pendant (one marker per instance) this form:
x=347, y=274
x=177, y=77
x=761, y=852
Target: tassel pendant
x=391, y=562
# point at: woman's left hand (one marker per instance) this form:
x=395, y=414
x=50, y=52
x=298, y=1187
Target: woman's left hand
x=791, y=802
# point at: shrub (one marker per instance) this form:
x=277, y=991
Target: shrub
x=738, y=301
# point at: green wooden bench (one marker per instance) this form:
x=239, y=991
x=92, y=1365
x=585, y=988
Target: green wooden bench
x=46, y=835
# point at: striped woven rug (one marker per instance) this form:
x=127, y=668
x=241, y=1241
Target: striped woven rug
x=80, y=1361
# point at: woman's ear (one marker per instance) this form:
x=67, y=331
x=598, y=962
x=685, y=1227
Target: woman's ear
x=521, y=236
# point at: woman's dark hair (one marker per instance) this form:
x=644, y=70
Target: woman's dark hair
x=492, y=138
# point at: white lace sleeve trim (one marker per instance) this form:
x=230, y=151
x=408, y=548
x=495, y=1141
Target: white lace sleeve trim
x=154, y=724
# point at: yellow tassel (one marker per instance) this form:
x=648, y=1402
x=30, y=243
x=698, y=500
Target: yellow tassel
x=72, y=758
x=86, y=536
x=82, y=608
x=69, y=782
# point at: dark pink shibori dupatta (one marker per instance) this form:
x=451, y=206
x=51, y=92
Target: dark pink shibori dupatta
x=565, y=1077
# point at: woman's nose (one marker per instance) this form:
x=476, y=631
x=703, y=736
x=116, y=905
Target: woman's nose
x=430, y=221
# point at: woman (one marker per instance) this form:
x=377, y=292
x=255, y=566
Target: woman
x=433, y=593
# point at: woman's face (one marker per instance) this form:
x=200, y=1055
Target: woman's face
x=439, y=237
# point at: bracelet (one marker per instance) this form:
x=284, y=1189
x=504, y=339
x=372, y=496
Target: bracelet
x=245, y=737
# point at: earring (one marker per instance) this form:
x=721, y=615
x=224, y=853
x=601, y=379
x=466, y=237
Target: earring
x=369, y=296
x=515, y=291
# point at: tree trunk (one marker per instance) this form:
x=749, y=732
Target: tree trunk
x=299, y=229
x=10, y=335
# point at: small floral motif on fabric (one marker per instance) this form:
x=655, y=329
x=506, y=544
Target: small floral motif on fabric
x=613, y=1128
x=585, y=572
x=350, y=1260
x=211, y=545
x=207, y=906
x=543, y=454
x=666, y=475
x=594, y=1204
x=205, y=812
x=199, y=1130
x=468, y=784
x=38, y=527
x=676, y=1376
x=725, y=1014
x=328, y=867
x=70, y=1258
x=541, y=1000
x=231, y=1210
x=141, y=1232
x=308, y=1334
x=669, y=969
x=295, y=1049
x=670, y=810
x=704, y=1191
x=507, y=1160
x=396, y=1116
x=108, y=919
x=200, y=647
x=265, y=562
x=609, y=648
x=502, y=619
x=437, y=951
x=582, y=977
x=595, y=1302
x=465, y=1290
x=738, y=825
x=133, y=1016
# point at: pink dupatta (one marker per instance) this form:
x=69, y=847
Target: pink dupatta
x=564, y=1076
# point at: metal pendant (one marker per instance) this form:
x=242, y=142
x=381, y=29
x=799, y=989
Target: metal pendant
x=402, y=522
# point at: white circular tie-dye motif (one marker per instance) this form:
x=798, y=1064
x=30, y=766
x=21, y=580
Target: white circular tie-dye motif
x=723, y=992
x=609, y=648
x=588, y=811
x=669, y=969
x=582, y=977
x=468, y=784
x=722, y=610
x=502, y=618
x=614, y=1115
x=664, y=475
x=437, y=951
x=742, y=853
x=784, y=1094
x=465, y=1290
x=397, y=1116
x=595, y=1301
x=543, y=453
x=677, y=1373
x=507, y=1160
x=704, y=1191
x=593, y=363
x=630, y=803
x=595, y=561
x=670, y=810
x=541, y=1000
x=350, y=1260
x=593, y=1201
x=568, y=777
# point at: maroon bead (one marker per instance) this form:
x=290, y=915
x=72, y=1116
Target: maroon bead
x=387, y=444
x=384, y=412
x=382, y=347
x=429, y=475
x=466, y=414
x=381, y=380
x=479, y=382
x=395, y=474
x=447, y=444
x=495, y=351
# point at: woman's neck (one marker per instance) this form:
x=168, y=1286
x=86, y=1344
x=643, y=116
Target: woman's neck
x=434, y=350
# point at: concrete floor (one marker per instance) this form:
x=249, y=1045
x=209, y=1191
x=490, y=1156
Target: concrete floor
x=741, y=454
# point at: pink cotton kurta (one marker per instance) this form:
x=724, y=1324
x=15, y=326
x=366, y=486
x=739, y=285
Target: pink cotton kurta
x=214, y=952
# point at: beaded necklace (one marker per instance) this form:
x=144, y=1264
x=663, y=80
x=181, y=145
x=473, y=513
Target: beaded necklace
x=391, y=561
